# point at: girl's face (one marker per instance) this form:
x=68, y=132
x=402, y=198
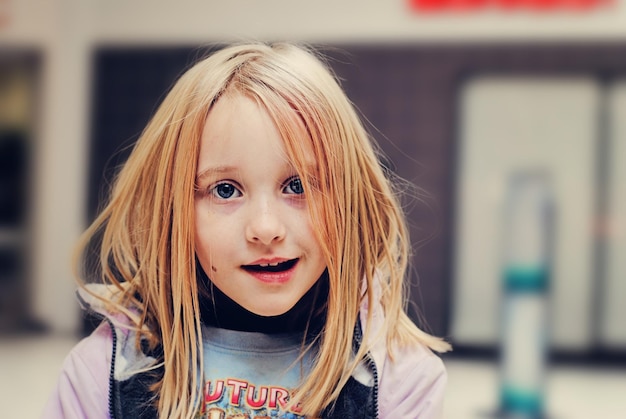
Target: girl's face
x=253, y=235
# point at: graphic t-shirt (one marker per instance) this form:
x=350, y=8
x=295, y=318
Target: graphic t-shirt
x=251, y=375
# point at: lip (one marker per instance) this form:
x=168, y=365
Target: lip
x=268, y=277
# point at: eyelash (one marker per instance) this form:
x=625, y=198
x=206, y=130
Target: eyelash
x=213, y=191
x=290, y=181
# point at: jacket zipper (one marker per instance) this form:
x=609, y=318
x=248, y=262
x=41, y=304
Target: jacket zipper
x=371, y=364
x=87, y=307
x=112, y=370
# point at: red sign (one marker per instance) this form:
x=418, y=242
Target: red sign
x=476, y=5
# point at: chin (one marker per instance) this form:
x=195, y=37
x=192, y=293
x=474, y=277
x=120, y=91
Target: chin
x=270, y=310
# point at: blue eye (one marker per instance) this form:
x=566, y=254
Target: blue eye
x=294, y=186
x=225, y=191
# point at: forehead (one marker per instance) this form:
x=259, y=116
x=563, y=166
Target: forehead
x=238, y=118
x=236, y=122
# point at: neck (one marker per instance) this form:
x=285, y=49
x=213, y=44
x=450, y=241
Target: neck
x=308, y=314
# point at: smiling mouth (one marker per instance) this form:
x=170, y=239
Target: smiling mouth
x=271, y=267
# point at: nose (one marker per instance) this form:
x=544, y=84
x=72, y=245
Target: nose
x=265, y=225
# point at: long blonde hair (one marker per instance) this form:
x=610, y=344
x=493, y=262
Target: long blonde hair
x=146, y=232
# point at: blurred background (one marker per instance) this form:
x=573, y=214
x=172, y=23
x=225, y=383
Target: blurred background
x=460, y=96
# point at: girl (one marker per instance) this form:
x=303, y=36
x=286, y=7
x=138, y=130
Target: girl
x=252, y=258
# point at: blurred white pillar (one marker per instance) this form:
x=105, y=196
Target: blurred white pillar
x=613, y=307
x=509, y=124
x=60, y=164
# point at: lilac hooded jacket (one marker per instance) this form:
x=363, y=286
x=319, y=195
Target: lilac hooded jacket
x=410, y=386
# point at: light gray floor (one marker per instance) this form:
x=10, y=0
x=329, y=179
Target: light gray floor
x=571, y=393
x=28, y=371
x=29, y=367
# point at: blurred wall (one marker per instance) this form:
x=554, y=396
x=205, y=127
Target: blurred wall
x=65, y=32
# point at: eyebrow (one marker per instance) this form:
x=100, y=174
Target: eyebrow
x=212, y=171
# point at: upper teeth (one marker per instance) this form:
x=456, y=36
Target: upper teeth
x=263, y=265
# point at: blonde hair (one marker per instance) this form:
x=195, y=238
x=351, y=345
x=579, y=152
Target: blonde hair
x=146, y=232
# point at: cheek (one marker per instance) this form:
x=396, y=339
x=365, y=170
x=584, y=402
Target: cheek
x=312, y=248
x=204, y=243
x=307, y=229
x=209, y=253
x=214, y=240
